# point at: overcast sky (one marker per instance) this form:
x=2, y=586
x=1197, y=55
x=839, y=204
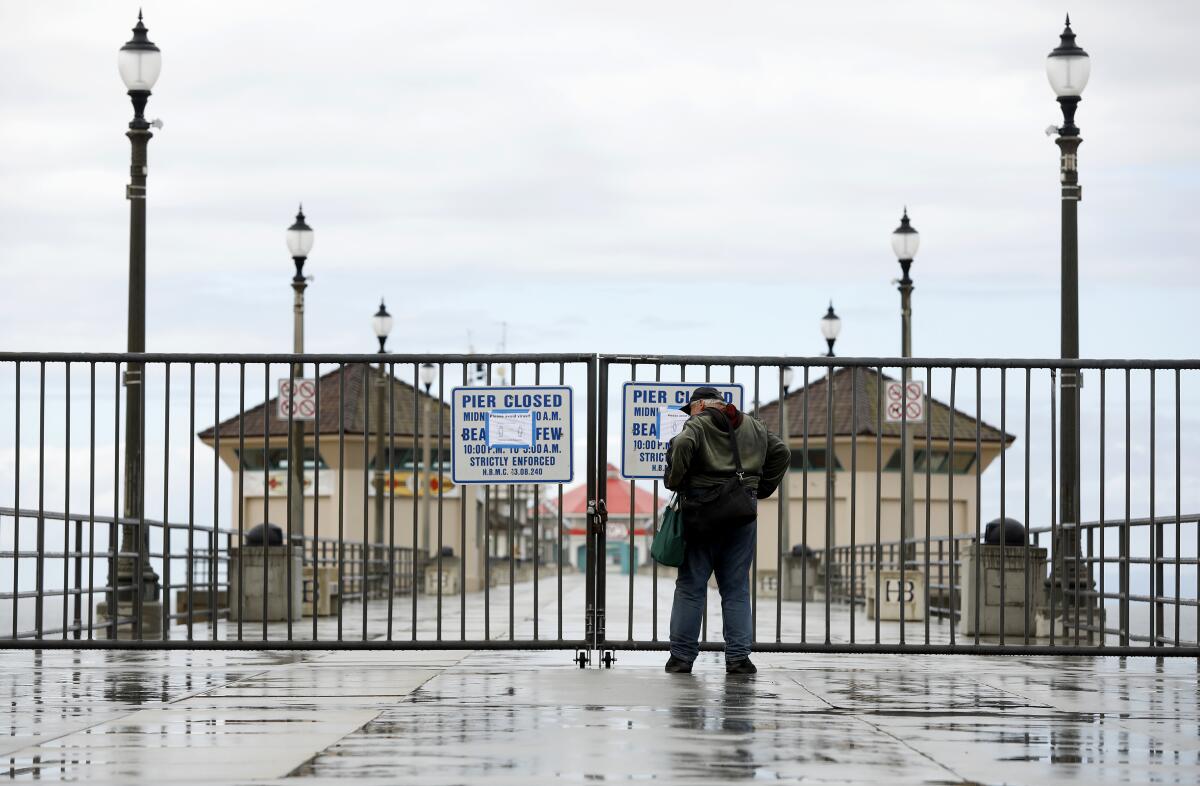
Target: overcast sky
x=598, y=174
x=664, y=177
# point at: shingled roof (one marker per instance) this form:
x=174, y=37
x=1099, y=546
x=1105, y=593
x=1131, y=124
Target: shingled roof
x=867, y=420
x=340, y=409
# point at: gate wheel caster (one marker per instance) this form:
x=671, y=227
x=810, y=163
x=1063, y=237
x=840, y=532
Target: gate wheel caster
x=582, y=659
x=609, y=659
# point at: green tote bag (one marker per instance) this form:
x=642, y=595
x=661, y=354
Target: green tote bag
x=668, y=547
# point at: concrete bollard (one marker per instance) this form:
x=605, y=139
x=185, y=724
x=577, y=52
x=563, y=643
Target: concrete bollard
x=274, y=561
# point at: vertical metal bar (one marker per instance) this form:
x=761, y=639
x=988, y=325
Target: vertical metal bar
x=1054, y=534
x=783, y=516
x=704, y=617
x=561, y=380
x=441, y=420
x=978, y=491
x=1028, y=575
x=40, y=574
x=113, y=545
x=91, y=497
x=512, y=541
x=1178, y=524
x=879, y=487
x=907, y=508
x=753, y=561
x=462, y=542
x=1103, y=524
x=66, y=488
x=166, y=515
x=212, y=533
x=1003, y=479
x=537, y=520
x=803, y=516
x=16, y=587
x=77, y=620
x=266, y=529
x=854, y=374
x=367, y=546
x=955, y=594
x=487, y=540
x=632, y=552
x=1156, y=531
x=830, y=498
x=929, y=487
x=341, y=538
x=241, y=512
x=391, y=465
x=317, y=579
x=593, y=406
x=294, y=453
x=601, y=465
x=1124, y=558
x=417, y=475
x=142, y=536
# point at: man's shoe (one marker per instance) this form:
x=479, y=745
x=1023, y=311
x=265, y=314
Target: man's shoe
x=743, y=666
x=678, y=666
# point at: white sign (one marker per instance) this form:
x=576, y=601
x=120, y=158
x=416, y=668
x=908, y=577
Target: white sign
x=902, y=404
x=646, y=428
x=301, y=399
x=510, y=428
x=511, y=435
x=670, y=423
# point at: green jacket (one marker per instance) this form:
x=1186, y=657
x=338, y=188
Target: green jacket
x=701, y=455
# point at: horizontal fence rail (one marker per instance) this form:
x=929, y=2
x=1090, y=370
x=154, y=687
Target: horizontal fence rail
x=135, y=490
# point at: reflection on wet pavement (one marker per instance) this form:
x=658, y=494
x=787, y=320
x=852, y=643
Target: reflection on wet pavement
x=525, y=718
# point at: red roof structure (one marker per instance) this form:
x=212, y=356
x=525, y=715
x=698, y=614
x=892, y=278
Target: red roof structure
x=616, y=497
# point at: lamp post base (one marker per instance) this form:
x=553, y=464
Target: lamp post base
x=148, y=625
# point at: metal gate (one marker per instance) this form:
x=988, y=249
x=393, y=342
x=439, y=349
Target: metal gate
x=135, y=483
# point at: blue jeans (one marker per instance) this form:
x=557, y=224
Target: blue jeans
x=730, y=557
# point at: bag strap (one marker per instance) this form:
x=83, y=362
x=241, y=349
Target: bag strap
x=737, y=455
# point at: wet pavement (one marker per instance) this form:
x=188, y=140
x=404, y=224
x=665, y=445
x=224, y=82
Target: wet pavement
x=529, y=718
x=446, y=717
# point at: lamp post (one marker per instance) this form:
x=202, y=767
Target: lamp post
x=831, y=326
x=381, y=322
x=427, y=374
x=905, y=241
x=299, y=242
x=139, y=62
x=1067, y=68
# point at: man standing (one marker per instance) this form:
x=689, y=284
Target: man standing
x=700, y=458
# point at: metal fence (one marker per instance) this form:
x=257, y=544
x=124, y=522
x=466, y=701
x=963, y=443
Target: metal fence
x=392, y=553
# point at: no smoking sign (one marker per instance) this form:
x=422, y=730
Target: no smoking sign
x=904, y=403
x=297, y=399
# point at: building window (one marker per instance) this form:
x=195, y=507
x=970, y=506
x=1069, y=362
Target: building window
x=936, y=462
x=277, y=458
x=816, y=461
x=403, y=458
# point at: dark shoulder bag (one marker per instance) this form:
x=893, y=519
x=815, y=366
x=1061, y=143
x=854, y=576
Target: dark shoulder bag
x=709, y=511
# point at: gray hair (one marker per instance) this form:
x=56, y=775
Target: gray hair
x=714, y=402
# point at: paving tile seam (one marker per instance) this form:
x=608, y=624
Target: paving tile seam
x=83, y=729
x=437, y=673
x=917, y=751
